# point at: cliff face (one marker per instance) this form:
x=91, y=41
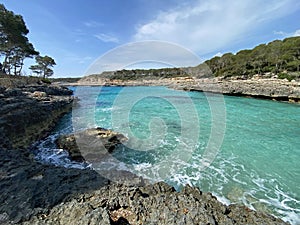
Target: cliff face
x=27, y=113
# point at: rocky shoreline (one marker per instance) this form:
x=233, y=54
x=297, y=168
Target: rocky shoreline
x=265, y=88
x=273, y=89
x=33, y=193
x=150, y=204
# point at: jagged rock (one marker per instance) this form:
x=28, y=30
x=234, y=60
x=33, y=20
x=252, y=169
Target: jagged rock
x=90, y=144
x=29, y=188
x=27, y=113
x=151, y=204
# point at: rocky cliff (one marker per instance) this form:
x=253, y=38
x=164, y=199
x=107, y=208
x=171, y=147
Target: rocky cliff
x=28, y=112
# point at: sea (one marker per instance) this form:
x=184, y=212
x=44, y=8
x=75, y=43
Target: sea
x=243, y=150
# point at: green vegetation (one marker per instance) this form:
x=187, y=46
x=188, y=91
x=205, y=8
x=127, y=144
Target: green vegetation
x=46, y=81
x=287, y=76
x=42, y=68
x=137, y=74
x=15, y=46
x=276, y=57
x=281, y=58
x=65, y=80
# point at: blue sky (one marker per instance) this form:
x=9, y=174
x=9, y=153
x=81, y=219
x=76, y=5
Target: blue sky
x=76, y=33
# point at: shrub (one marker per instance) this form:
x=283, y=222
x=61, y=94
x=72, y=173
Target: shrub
x=287, y=76
x=46, y=80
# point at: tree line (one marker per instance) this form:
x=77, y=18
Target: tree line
x=277, y=57
x=15, y=47
x=136, y=74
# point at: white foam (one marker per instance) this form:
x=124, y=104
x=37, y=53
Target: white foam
x=142, y=166
x=107, y=109
x=222, y=199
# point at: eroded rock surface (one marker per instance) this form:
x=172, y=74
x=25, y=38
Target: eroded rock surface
x=151, y=204
x=29, y=188
x=262, y=88
x=90, y=144
x=28, y=113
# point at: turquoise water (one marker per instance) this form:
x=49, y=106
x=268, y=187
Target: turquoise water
x=243, y=150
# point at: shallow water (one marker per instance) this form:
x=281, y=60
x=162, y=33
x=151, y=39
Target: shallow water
x=243, y=150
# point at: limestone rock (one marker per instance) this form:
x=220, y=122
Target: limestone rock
x=263, y=88
x=90, y=144
x=39, y=94
x=27, y=113
x=151, y=204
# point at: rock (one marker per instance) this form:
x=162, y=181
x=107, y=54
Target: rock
x=25, y=118
x=39, y=94
x=29, y=188
x=90, y=144
x=151, y=204
x=261, y=88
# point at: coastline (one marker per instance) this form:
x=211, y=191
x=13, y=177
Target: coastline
x=267, y=88
x=52, y=194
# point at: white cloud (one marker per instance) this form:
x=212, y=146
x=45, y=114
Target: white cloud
x=218, y=54
x=286, y=34
x=281, y=33
x=156, y=53
x=92, y=24
x=107, y=38
x=297, y=33
x=210, y=25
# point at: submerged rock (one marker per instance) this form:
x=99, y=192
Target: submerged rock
x=91, y=144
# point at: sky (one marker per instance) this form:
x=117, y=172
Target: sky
x=78, y=33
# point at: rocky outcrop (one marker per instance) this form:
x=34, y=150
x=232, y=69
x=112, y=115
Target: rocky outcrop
x=90, y=144
x=261, y=88
x=28, y=113
x=29, y=188
x=151, y=204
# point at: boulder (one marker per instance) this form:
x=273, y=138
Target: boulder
x=39, y=94
x=90, y=144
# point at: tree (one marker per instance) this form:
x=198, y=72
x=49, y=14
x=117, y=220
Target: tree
x=42, y=68
x=14, y=45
